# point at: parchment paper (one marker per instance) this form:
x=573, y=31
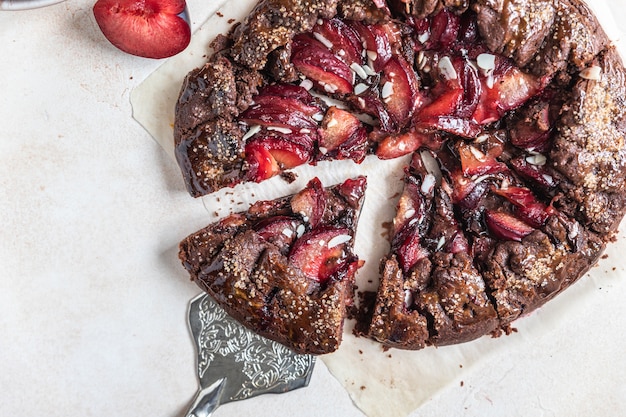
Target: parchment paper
x=381, y=383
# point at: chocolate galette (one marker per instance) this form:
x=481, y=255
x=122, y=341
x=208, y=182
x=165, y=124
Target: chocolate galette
x=284, y=268
x=513, y=112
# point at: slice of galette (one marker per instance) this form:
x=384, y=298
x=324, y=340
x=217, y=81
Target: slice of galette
x=472, y=249
x=284, y=268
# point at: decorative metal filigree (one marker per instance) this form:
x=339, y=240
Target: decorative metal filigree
x=254, y=364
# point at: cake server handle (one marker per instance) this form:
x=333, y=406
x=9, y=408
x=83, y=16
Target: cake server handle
x=207, y=400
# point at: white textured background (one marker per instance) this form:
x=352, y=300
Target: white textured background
x=92, y=297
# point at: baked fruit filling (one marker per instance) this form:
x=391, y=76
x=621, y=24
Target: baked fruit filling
x=395, y=87
x=286, y=267
x=514, y=120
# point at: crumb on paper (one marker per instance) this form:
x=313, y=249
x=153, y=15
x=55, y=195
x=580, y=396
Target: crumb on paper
x=220, y=14
x=231, y=21
x=288, y=176
x=461, y=383
x=362, y=387
x=387, y=229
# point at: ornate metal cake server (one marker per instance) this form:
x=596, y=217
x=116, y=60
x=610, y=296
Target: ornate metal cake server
x=234, y=363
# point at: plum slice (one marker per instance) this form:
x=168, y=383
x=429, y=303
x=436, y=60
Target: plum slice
x=282, y=231
x=399, y=90
x=444, y=30
x=475, y=162
x=399, y=144
x=505, y=87
x=342, y=136
x=310, y=203
x=506, y=226
x=286, y=113
x=288, y=91
x=376, y=42
x=261, y=164
x=318, y=63
x=536, y=172
x=321, y=252
x=341, y=39
x=337, y=127
x=269, y=152
x=529, y=209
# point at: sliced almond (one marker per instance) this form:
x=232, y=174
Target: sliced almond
x=280, y=129
x=360, y=88
x=447, y=69
x=387, y=90
x=338, y=240
x=323, y=40
x=358, y=70
x=593, y=73
x=486, y=62
x=254, y=129
x=306, y=84
x=536, y=159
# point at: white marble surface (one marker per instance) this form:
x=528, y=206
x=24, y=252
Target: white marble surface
x=92, y=298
